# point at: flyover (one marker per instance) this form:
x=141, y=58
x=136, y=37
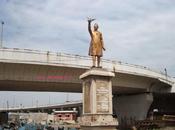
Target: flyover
x=46, y=108
x=34, y=70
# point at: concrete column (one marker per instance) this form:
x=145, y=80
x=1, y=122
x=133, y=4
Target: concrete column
x=133, y=106
x=97, y=100
x=173, y=86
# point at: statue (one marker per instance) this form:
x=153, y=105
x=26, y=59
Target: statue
x=96, y=45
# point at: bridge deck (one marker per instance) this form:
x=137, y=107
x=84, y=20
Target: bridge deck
x=32, y=70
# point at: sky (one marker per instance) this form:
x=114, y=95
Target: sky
x=140, y=32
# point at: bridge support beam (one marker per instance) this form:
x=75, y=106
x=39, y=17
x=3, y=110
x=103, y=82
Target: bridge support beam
x=132, y=106
x=97, y=100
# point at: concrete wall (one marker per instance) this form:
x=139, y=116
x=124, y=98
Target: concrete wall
x=132, y=106
x=29, y=117
x=173, y=87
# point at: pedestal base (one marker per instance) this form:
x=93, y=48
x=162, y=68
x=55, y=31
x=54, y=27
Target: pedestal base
x=98, y=122
x=97, y=100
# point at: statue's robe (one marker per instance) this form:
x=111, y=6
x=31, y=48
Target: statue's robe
x=96, y=44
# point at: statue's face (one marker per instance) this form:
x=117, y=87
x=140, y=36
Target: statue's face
x=95, y=26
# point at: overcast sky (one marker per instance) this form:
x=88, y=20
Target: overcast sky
x=135, y=31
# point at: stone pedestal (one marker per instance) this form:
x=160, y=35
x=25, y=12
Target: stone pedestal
x=97, y=100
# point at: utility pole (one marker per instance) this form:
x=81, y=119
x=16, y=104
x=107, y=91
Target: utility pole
x=13, y=101
x=166, y=72
x=67, y=97
x=2, y=23
x=49, y=99
x=7, y=104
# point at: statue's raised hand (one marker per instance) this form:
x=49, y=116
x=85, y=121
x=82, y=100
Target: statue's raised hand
x=90, y=19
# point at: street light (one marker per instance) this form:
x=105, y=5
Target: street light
x=2, y=23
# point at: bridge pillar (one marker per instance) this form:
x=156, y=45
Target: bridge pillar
x=97, y=100
x=132, y=107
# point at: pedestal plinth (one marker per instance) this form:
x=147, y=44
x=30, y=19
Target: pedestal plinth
x=97, y=100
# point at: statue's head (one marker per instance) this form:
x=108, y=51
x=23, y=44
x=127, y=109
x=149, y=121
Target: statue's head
x=95, y=26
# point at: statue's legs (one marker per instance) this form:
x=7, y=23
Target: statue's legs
x=98, y=61
x=94, y=60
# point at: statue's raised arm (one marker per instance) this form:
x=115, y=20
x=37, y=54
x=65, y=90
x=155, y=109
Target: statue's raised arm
x=89, y=25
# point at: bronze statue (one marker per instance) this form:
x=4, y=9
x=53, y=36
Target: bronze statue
x=96, y=45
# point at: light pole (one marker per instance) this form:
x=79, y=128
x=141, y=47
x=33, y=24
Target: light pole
x=2, y=23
